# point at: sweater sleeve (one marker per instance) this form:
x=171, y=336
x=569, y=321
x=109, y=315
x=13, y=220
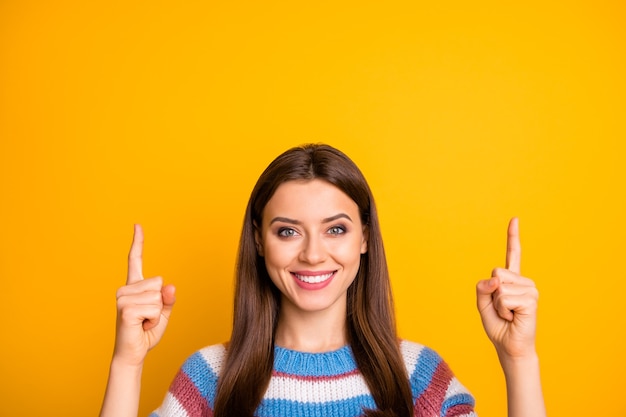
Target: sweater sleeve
x=192, y=393
x=436, y=391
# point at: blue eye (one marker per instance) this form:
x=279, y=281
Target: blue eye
x=286, y=232
x=337, y=230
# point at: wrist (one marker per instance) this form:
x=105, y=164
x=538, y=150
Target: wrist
x=128, y=365
x=523, y=385
x=123, y=389
x=513, y=364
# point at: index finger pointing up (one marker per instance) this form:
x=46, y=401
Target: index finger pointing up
x=513, y=247
x=135, y=268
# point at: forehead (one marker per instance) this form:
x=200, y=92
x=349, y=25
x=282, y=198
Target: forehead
x=310, y=199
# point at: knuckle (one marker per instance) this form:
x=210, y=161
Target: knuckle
x=128, y=314
x=120, y=293
x=123, y=292
x=133, y=258
x=535, y=293
x=156, y=298
x=502, y=301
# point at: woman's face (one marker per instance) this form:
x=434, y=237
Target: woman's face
x=312, y=239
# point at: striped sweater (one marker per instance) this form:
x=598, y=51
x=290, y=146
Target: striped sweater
x=318, y=385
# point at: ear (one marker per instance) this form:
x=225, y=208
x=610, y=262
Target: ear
x=257, y=239
x=366, y=238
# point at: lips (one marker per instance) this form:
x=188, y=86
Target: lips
x=313, y=280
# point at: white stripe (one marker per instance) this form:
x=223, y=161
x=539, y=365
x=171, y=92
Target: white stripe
x=455, y=387
x=309, y=391
x=410, y=352
x=171, y=407
x=214, y=355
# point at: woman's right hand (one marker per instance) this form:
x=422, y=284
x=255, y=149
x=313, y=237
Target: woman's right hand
x=143, y=309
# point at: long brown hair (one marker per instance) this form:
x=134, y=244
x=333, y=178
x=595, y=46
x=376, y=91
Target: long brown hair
x=370, y=318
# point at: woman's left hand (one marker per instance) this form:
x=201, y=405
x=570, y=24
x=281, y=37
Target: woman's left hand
x=507, y=303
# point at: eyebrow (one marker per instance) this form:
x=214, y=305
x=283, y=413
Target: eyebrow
x=326, y=220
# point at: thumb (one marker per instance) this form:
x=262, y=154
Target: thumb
x=167, y=296
x=168, y=292
x=484, y=292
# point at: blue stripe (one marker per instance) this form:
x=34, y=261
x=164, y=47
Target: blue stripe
x=202, y=376
x=334, y=363
x=352, y=407
x=424, y=370
x=456, y=399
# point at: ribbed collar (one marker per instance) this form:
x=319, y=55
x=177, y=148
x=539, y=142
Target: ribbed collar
x=336, y=362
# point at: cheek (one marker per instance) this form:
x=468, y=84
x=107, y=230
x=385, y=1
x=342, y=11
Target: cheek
x=278, y=255
x=348, y=253
x=273, y=266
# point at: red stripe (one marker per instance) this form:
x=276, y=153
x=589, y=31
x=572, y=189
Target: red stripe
x=429, y=403
x=189, y=397
x=459, y=410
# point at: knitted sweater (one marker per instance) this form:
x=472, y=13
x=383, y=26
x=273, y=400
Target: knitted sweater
x=325, y=384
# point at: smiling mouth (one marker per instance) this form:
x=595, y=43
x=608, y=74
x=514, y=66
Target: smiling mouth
x=314, y=279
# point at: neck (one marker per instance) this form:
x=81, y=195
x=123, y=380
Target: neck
x=319, y=331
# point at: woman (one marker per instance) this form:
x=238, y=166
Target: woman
x=313, y=329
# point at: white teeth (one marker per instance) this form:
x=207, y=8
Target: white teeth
x=314, y=279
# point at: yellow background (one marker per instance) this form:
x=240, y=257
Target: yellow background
x=461, y=115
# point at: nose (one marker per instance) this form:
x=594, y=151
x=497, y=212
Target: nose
x=313, y=250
